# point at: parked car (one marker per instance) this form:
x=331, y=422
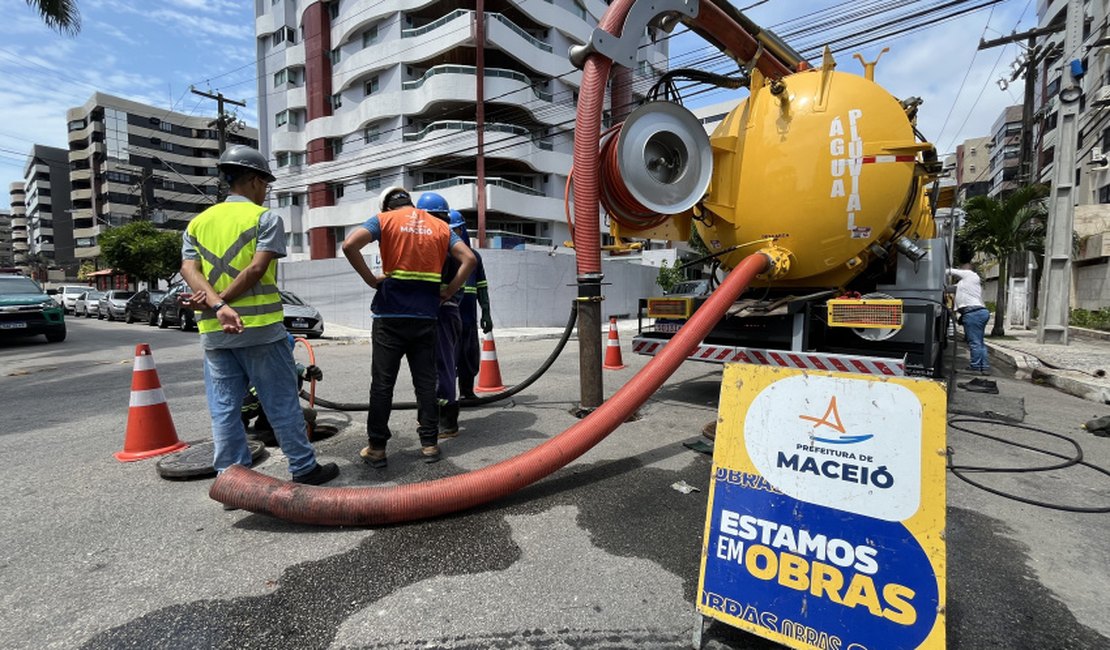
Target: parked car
x=171, y=311
x=113, y=303
x=300, y=317
x=87, y=303
x=26, y=310
x=143, y=306
x=67, y=296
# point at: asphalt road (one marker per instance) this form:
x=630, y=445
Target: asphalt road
x=604, y=554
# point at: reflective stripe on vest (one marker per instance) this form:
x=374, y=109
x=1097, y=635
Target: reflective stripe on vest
x=226, y=237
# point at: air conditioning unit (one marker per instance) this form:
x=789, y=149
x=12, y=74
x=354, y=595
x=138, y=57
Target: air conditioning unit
x=1096, y=155
x=1102, y=96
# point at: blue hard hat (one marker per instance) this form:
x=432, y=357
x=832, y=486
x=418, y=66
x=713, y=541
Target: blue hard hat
x=456, y=219
x=432, y=202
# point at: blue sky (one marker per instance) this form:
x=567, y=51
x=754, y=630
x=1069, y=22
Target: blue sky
x=151, y=51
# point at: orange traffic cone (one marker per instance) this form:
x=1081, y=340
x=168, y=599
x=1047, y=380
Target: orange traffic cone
x=489, y=373
x=150, y=430
x=613, y=359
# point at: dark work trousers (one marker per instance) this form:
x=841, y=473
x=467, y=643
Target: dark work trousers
x=447, y=340
x=415, y=339
x=468, y=355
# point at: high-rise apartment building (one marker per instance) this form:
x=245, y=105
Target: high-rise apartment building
x=1005, y=152
x=6, y=259
x=358, y=95
x=133, y=161
x=973, y=177
x=20, y=247
x=49, y=222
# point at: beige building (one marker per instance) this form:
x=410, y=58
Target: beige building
x=20, y=247
x=133, y=161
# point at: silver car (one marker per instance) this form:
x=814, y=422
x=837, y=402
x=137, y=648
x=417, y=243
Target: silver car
x=113, y=304
x=87, y=304
x=301, y=319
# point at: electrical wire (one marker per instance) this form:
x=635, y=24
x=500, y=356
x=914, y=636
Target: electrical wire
x=961, y=471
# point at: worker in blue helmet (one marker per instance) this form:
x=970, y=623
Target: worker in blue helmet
x=448, y=328
x=476, y=292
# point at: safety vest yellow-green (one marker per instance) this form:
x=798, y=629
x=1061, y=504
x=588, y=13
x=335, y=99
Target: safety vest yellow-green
x=226, y=236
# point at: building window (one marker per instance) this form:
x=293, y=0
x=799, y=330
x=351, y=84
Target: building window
x=580, y=10
x=166, y=126
x=296, y=241
x=281, y=77
x=336, y=146
x=371, y=134
x=336, y=191
x=369, y=36
x=373, y=182
x=336, y=101
x=1104, y=194
x=335, y=55
x=167, y=146
x=282, y=158
x=167, y=184
x=333, y=10
x=286, y=199
x=76, y=125
x=282, y=118
x=371, y=85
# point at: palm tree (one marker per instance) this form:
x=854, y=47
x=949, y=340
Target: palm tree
x=1002, y=227
x=60, y=15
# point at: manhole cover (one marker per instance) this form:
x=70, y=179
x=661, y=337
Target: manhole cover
x=196, y=461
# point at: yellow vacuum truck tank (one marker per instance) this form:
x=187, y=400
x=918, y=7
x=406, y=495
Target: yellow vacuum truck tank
x=824, y=162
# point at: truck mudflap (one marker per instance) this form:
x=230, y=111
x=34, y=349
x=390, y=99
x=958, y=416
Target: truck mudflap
x=781, y=358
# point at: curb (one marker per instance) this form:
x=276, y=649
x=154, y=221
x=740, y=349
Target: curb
x=1029, y=368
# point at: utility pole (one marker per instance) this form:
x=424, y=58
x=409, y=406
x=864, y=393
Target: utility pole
x=1055, y=302
x=222, y=119
x=221, y=122
x=1034, y=56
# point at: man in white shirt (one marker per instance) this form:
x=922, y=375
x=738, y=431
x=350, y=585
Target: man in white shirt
x=973, y=314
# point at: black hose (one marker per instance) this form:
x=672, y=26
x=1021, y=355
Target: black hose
x=959, y=471
x=475, y=401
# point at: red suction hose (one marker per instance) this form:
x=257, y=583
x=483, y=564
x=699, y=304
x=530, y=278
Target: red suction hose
x=366, y=506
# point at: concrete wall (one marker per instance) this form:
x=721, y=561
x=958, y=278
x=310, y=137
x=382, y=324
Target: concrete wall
x=527, y=288
x=1092, y=285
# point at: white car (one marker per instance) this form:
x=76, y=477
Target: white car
x=67, y=296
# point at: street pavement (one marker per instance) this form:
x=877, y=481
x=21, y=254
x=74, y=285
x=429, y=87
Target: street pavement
x=96, y=553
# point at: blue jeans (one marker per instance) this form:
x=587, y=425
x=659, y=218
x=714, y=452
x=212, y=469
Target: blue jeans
x=975, y=326
x=270, y=369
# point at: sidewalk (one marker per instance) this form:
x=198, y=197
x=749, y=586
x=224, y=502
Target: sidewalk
x=1079, y=368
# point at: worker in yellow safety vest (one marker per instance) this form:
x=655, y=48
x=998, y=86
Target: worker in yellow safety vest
x=229, y=259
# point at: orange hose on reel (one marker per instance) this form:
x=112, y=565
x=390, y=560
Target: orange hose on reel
x=618, y=201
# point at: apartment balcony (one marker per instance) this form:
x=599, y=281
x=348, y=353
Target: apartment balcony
x=86, y=252
x=20, y=246
x=455, y=138
x=79, y=233
x=19, y=223
x=456, y=83
x=77, y=175
x=78, y=195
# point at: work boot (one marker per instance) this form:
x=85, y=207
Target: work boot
x=318, y=475
x=430, y=453
x=373, y=457
x=448, y=421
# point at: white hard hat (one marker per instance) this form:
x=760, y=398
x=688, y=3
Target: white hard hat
x=392, y=192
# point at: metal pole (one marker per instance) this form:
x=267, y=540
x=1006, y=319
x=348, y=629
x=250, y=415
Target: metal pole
x=1025, y=170
x=1052, y=327
x=480, y=118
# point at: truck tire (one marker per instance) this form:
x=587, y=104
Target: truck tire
x=56, y=337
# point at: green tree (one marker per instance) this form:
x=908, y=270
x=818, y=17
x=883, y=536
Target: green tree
x=140, y=250
x=1002, y=227
x=668, y=277
x=59, y=15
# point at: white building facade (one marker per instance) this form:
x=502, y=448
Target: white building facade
x=358, y=95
